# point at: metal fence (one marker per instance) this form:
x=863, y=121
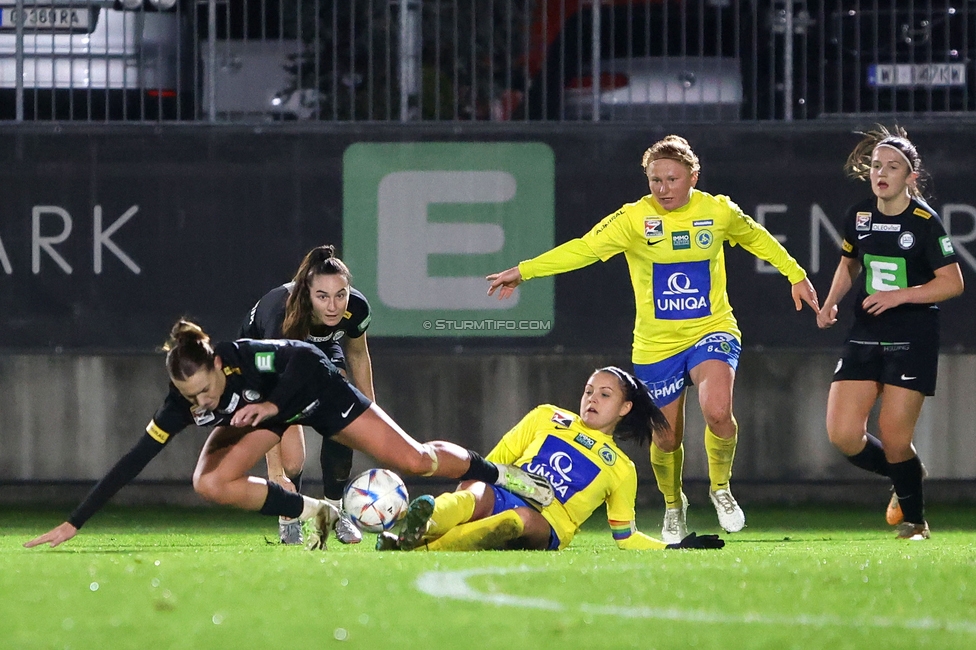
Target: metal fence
x=485, y=60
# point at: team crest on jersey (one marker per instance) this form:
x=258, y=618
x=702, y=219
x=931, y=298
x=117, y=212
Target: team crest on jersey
x=704, y=238
x=607, y=455
x=561, y=419
x=202, y=417
x=862, y=221
x=584, y=440
x=906, y=240
x=251, y=395
x=235, y=399
x=653, y=228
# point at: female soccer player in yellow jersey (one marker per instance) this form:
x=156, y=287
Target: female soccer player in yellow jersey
x=579, y=456
x=685, y=331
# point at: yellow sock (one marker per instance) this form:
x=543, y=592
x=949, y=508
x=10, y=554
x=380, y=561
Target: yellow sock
x=450, y=509
x=720, y=453
x=490, y=533
x=667, y=470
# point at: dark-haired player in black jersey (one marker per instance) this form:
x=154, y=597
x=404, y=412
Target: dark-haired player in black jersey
x=318, y=306
x=250, y=392
x=892, y=351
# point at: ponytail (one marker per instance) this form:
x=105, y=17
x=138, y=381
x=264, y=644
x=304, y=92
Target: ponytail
x=644, y=417
x=187, y=350
x=321, y=260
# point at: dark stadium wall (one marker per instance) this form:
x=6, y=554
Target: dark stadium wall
x=108, y=235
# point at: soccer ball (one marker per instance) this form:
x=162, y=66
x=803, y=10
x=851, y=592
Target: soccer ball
x=375, y=500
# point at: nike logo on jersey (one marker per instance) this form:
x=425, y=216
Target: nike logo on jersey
x=347, y=411
x=654, y=243
x=863, y=235
x=907, y=378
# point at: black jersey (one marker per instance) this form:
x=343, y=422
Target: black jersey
x=268, y=315
x=895, y=252
x=295, y=376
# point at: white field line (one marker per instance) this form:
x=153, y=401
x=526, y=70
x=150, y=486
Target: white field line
x=454, y=585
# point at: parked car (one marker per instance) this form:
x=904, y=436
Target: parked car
x=665, y=60
x=98, y=59
x=899, y=57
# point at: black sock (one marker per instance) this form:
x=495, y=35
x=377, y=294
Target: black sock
x=281, y=502
x=336, y=462
x=297, y=480
x=480, y=469
x=871, y=458
x=907, y=477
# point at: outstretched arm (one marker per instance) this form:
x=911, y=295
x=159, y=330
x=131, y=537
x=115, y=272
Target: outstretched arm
x=126, y=469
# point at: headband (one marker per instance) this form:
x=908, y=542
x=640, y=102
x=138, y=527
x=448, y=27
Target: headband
x=900, y=153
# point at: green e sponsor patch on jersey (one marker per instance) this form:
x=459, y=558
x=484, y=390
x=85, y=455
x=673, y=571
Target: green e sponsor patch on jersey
x=264, y=361
x=946, y=245
x=884, y=273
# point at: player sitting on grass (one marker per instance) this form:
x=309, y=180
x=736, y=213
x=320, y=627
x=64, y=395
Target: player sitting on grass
x=581, y=459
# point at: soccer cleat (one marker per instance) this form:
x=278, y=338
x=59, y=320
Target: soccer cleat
x=317, y=527
x=415, y=522
x=913, y=532
x=894, y=515
x=730, y=515
x=289, y=531
x=387, y=541
x=531, y=487
x=346, y=531
x=675, y=527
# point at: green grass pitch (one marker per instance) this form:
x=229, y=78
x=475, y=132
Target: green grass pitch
x=206, y=578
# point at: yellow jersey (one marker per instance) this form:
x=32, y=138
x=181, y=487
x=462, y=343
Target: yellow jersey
x=586, y=469
x=677, y=266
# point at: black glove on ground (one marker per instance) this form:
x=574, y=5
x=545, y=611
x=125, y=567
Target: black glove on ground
x=699, y=541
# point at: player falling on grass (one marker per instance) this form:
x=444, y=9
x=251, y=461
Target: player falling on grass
x=250, y=392
x=321, y=307
x=892, y=350
x=580, y=457
x=685, y=331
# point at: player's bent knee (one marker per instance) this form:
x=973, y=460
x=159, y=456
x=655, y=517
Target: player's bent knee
x=210, y=487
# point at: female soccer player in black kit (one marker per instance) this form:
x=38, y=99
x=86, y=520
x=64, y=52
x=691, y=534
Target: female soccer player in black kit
x=318, y=306
x=250, y=392
x=892, y=350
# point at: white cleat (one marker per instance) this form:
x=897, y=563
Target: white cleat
x=730, y=515
x=317, y=527
x=675, y=527
x=346, y=531
x=289, y=531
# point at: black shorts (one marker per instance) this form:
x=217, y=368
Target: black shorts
x=911, y=363
x=340, y=403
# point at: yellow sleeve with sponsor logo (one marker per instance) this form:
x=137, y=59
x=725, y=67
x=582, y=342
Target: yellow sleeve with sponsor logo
x=753, y=237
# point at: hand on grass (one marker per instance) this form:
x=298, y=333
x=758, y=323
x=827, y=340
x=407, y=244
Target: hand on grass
x=53, y=537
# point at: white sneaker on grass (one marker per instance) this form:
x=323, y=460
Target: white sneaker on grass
x=675, y=526
x=289, y=531
x=730, y=515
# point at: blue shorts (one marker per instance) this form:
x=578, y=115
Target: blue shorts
x=505, y=500
x=667, y=378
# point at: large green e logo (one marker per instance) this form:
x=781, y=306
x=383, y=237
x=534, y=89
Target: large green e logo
x=423, y=223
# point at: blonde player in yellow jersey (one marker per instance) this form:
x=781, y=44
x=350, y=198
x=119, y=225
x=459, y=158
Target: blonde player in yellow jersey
x=685, y=331
x=579, y=456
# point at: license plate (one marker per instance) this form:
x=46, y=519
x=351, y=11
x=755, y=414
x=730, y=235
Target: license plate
x=917, y=75
x=45, y=18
